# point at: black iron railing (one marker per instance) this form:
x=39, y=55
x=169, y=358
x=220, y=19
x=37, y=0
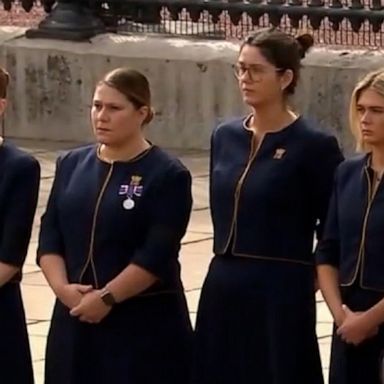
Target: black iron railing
x=348, y=22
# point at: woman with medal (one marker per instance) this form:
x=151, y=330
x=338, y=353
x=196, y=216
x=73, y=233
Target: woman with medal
x=109, y=245
x=271, y=177
x=19, y=189
x=350, y=256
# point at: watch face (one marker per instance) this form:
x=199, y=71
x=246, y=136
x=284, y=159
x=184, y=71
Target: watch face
x=108, y=298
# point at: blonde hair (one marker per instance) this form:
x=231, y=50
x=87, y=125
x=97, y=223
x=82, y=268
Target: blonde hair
x=375, y=81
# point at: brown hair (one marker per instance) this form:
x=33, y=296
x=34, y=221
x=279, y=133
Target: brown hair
x=4, y=81
x=133, y=85
x=375, y=81
x=281, y=50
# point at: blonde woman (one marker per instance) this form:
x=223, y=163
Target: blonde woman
x=351, y=255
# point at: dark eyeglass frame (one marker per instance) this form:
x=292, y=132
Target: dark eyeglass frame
x=240, y=70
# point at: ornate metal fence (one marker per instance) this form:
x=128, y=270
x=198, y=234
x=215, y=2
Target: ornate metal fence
x=335, y=22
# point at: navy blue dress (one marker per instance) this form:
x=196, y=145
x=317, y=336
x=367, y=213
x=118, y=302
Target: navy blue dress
x=88, y=221
x=353, y=243
x=256, y=317
x=19, y=188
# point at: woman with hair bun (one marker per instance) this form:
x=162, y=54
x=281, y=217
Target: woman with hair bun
x=109, y=246
x=270, y=181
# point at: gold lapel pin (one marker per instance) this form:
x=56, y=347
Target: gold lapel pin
x=279, y=153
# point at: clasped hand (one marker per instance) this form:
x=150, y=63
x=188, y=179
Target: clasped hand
x=356, y=327
x=84, y=302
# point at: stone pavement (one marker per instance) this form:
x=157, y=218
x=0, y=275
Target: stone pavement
x=195, y=255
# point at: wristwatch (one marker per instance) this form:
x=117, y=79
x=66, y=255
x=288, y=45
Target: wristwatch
x=107, y=297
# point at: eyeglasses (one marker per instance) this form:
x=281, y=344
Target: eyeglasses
x=255, y=72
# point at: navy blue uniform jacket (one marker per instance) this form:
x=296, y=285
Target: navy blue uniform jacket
x=19, y=188
x=269, y=205
x=354, y=236
x=86, y=222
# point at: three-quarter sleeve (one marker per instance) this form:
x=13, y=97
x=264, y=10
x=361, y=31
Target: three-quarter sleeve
x=328, y=248
x=324, y=160
x=50, y=237
x=22, y=195
x=168, y=219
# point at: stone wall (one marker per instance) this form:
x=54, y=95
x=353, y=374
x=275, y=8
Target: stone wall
x=193, y=85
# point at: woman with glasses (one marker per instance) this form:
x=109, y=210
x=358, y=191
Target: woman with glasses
x=350, y=255
x=270, y=180
x=19, y=189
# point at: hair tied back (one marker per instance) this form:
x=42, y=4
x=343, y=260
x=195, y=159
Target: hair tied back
x=305, y=42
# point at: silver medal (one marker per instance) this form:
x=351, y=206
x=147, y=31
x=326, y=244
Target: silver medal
x=128, y=204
